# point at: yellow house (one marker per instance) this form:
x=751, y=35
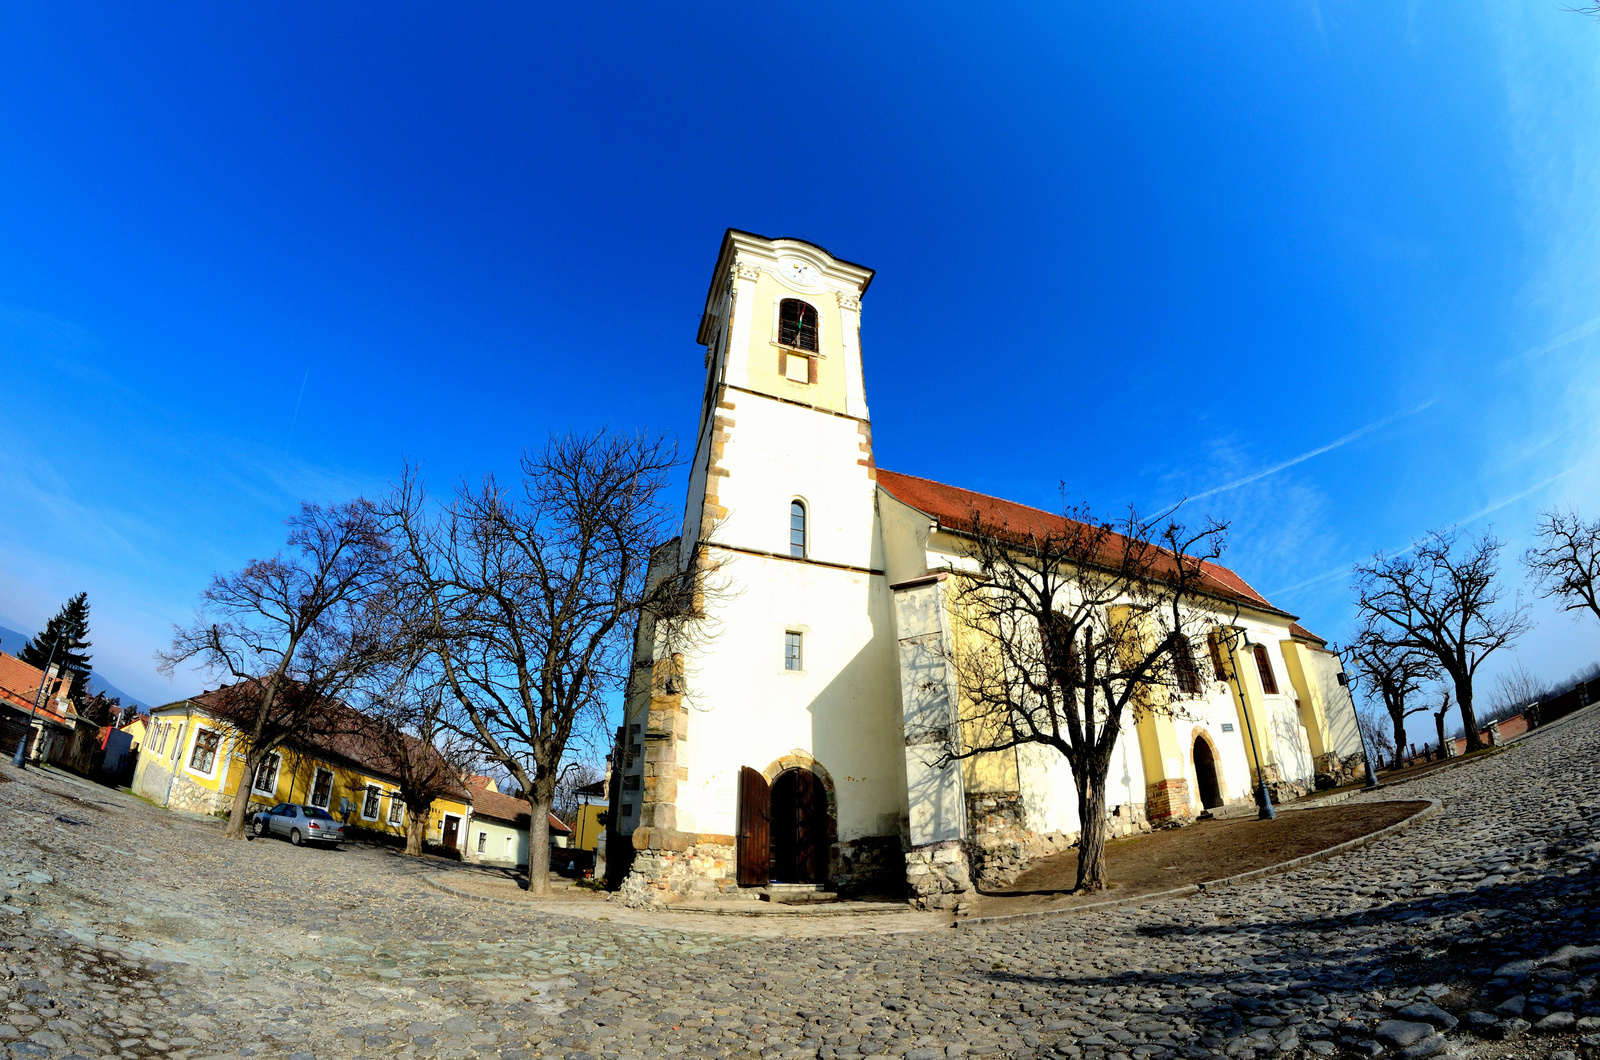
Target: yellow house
x=592, y=802
x=192, y=760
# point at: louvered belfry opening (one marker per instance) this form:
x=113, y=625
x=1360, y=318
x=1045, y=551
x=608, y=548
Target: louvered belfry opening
x=797, y=324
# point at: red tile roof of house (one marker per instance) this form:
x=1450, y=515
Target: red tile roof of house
x=355, y=737
x=488, y=802
x=19, y=686
x=954, y=508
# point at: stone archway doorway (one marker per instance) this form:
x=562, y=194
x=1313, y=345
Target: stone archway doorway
x=799, y=817
x=1205, y=773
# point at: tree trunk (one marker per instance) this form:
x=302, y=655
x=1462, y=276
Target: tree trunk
x=1469, y=722
x=1399, y=737
x=239, y=815
x=416, y=825
x=539, y=846
x=1438, y=721
x=1092, y=831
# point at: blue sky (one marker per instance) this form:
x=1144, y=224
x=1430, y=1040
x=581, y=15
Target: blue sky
x=1330, y=269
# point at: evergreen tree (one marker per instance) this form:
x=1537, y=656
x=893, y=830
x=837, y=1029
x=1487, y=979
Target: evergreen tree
x=68, y=634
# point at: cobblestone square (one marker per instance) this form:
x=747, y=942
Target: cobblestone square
x=133, y=932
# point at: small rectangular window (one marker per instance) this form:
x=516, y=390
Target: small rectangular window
x=483, y=841
x=792, y=659
x=369, y=804
x=1227, y=726
x=397, y=810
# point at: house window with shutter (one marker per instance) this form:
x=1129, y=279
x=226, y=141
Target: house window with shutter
x=369, y=803
x=1269, y=683
x=797, y=324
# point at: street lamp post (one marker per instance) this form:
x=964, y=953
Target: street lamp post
x=1263, y=796
x=20, y=759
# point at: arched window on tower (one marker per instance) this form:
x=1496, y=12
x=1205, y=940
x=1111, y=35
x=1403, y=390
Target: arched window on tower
x=797, y=530
x=797, y=324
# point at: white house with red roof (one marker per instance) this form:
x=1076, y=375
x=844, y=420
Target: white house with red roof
x=774, y=748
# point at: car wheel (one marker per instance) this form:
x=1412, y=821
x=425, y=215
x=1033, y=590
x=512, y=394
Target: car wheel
x=294, y=837
x=261, y=827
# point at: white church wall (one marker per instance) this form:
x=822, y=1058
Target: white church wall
x=777, y=452
x=841, y=708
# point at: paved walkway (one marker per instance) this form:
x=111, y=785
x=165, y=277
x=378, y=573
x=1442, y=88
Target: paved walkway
x=133, y=932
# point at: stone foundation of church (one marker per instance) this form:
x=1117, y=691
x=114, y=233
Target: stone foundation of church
x=937, y=876
x=1001, y=846
x=673, y=866
x=871, y=864
x=1333, y=771
x=1166, y=803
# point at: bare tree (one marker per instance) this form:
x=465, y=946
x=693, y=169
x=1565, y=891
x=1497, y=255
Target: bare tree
x=406, y=738
x=1442, y=599
x=1393, y=675
x=1515, y=690
x=292, y=633
x=1566, y=561
x=1379, y=735
x=1069, y=630
x=527, y=600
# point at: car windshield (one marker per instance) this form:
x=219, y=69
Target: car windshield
x=316, y=813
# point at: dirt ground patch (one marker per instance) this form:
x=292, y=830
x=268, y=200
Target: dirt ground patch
x=1199, y=853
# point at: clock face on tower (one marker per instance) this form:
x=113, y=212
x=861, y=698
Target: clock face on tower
x=799, y=273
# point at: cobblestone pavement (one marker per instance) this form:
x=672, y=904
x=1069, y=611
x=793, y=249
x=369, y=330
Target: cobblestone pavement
x=133, y=932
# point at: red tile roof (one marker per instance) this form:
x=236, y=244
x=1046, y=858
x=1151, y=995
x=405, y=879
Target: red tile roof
x=487, y=802
x=355, y=737
x=1297, y=630
x=19, y=686
x=954, y=507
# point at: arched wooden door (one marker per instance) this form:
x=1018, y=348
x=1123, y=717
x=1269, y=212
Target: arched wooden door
x=1205, y=771
x=799, y=828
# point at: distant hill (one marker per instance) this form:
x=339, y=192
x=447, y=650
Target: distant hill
x=11, y=643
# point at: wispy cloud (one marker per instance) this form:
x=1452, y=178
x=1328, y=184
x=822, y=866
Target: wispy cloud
x=1303, y=457
x=1503, y=502
x=1582, y=331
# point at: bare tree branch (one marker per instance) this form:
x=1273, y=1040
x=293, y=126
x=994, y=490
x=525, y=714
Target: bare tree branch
x=1566, y=561
x=526, y=600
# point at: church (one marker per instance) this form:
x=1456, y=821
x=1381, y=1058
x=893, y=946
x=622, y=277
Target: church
x=780, y=748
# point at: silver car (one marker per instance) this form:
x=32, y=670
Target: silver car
x=300, y=824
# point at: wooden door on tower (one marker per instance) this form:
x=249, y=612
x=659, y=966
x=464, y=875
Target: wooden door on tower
x=753, y=858
x=799, y=828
